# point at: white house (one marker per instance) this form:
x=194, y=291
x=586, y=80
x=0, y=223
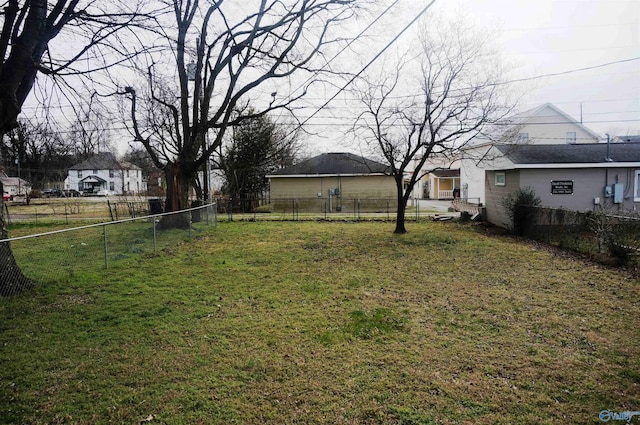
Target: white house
x=441, y=178
x=104, y=174
x=14, y=186
x=544, y=125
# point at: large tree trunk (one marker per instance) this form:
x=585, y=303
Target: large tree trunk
x=12, y=280
x=178, y=183
x=402, y=206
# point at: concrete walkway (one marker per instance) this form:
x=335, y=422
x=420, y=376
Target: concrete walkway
x=432, y=205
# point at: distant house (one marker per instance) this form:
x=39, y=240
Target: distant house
x=14, y=186
x=333, y=182
x=544, y=125
x=576, y=177
x=104, y=174
x=442, y=182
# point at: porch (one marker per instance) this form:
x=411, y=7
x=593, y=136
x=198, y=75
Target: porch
x=444, y=184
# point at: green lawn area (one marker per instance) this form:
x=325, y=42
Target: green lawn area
x=326, y=323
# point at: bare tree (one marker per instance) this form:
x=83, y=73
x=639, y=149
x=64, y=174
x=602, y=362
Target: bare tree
x=436, y=99
x=241, y=51
x=90, y=133
x=56, y=39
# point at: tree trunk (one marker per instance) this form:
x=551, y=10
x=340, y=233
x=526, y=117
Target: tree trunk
x=177, y=197
x=402, y=206
x=12, y=281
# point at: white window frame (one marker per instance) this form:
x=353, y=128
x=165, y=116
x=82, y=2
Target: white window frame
x=571, y=137
x=500, y=181
x=636, y=188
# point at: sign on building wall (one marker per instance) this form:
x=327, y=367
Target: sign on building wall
x=562, y=187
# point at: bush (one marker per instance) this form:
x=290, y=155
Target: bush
x=519, y=206
x=617, y=232
x=262, y=209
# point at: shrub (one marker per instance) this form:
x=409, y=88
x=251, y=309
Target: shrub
x=262, y=209
x=616, y=231
x=520, y=207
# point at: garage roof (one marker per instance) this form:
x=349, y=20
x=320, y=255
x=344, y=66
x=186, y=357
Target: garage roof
x=334, y=164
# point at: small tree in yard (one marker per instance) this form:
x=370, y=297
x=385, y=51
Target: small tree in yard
x=256, y=148
x=432, y=104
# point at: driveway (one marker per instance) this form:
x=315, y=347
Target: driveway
x=432, y=205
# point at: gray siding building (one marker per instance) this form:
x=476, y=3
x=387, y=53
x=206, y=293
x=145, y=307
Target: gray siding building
x=575, y=177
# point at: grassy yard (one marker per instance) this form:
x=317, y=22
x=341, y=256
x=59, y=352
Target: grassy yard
x=326, y=323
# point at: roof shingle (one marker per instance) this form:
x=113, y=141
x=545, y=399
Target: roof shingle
x=571, y=154
x=333, y=164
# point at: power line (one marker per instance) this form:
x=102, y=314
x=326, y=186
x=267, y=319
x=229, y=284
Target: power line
x=353, y=40
x=572, y=71
x=375, y=58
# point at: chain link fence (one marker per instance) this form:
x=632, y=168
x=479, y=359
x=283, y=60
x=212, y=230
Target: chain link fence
x=604, y=232
x=35, y=259
x=74, y=210
x=316, y=208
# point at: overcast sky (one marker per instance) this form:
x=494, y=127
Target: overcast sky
x=537, y=38
x=553, y=36
x=545, y=37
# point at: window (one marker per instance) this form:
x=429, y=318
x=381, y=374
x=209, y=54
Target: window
x=79, y=174
x=571, y=136
x=111, y=174
x=636, y=189
x=95, y=172
x=523, y=137
x=112, y=186
x=501, y=178
x=127, y=173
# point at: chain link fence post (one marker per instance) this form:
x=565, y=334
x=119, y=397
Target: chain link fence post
x=106, y=254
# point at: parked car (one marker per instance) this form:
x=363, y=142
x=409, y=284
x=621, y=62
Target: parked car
x=6, y=197
x=52, y=193
x=71, y=193
x=102, y=192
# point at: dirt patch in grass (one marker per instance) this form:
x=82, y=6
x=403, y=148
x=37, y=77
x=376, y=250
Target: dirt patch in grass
x=327, y=323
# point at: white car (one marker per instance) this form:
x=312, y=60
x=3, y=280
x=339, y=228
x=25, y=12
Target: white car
x=102, y=192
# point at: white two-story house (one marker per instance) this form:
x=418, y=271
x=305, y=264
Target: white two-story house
x=103, y=174
x=544, y=125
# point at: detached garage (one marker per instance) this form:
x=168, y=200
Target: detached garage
x=333, y=182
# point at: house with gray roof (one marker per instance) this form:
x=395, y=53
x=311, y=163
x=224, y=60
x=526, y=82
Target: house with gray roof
x=580, y=177
x=545, y=125
x=332, y=182
x=103, y=174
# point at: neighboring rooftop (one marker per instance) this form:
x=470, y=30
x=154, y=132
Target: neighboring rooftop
x=334, y=164
x=571, y=154
x=103, y=161
x=446, y=173
x=627, y=139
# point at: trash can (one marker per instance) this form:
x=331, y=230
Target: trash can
x=195, y=214
x=155, y=206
